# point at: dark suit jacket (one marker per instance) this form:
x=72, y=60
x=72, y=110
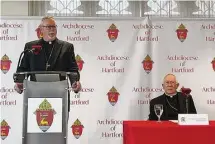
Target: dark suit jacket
x=182, y=106
x=62, y=59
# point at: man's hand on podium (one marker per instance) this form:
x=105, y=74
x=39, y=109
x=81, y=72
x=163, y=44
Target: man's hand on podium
x=76, y=87
x=19, y=87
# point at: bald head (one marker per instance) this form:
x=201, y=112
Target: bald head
x=170, y=84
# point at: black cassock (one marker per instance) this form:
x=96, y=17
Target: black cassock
x=172, y=106
x=57, y=56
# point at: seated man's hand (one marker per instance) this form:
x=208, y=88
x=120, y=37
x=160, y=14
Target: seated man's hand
x=76, y=86
x=19, y=87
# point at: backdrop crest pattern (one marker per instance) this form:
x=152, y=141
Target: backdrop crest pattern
x=122, y=64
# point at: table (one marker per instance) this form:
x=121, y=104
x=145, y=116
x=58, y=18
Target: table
x=167, y=132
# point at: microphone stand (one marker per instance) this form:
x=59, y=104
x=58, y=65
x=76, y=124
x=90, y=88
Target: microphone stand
x=20, y=57
x=186, y=93
x=17, y=78
x=187, y=104
x=27, y=50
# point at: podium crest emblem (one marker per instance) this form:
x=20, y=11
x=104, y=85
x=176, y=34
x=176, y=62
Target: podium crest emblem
x=45, y=115
x=5, y=64
x=5, y=128
x=213, y=64
x=79, y=62
x=112, y=32
x=113, y=96
x=77, y=129
x=147, y=64
x=182, y=33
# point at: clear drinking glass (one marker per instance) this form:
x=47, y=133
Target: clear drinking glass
x=158, y=108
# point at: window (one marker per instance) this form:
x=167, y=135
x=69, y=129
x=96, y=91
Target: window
x=205, y=7
x=113, y=7
x=65, y=7
x=131, y=8
x=162, y=7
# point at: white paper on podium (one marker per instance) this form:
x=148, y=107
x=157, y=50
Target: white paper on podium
x=44, y=115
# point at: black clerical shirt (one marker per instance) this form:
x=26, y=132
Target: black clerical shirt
x=172, y=107
x=48, y=48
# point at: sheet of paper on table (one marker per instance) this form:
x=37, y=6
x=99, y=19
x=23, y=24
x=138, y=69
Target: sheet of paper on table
x=193, y=119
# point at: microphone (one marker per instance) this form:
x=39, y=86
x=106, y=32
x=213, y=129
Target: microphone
x=186, y=92
x=36, y=49
x=19, y=78
x=27, y=50
x=16, y=77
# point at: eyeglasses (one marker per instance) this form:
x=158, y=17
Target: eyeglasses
x=50, y=27
x=169, y=82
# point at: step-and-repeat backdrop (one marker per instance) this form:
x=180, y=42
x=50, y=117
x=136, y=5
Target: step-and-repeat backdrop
x=122, y=64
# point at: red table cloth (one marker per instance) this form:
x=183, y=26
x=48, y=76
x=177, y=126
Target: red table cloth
x=167, y=132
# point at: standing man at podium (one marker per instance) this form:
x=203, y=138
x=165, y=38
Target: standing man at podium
x=51, y=54
x=172, y=102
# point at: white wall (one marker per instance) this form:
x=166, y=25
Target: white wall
x=14, y=8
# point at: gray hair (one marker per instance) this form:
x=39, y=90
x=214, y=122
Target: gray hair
x=46, y=18
x=170, y=75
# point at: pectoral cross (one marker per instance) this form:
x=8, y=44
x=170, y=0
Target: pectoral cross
x=47, y=66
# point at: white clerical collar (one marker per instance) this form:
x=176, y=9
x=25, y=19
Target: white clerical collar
x=171, y=94
x=49, y=42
